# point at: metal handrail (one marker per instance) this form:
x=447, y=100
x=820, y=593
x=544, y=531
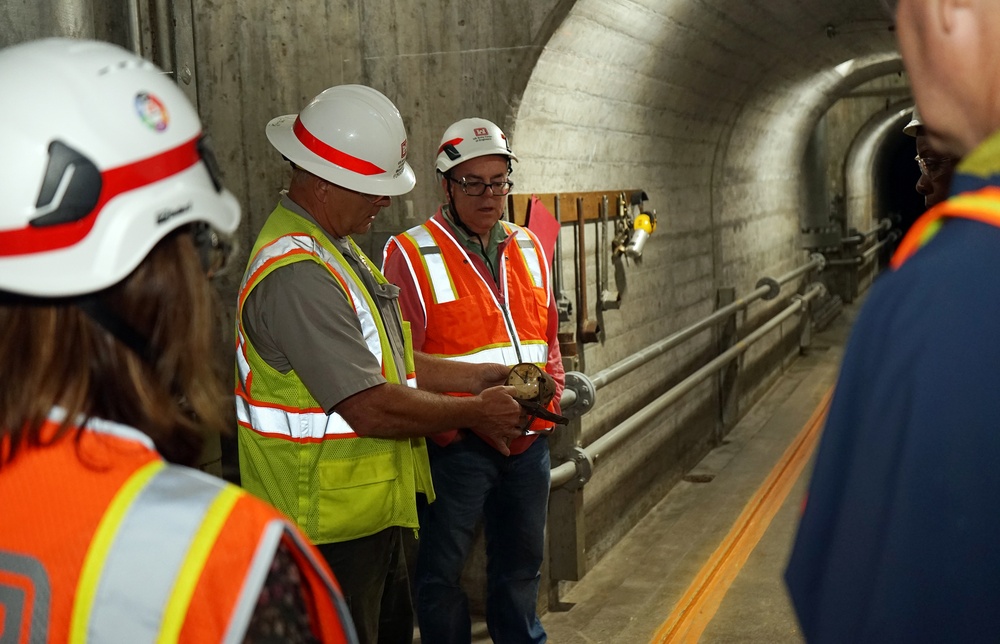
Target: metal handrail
x=870, y=253
x=883, y=225
x=766, y=286
x=565, y=472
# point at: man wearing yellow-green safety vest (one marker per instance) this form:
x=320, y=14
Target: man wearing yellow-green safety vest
x=898, y=538
x=331, y=423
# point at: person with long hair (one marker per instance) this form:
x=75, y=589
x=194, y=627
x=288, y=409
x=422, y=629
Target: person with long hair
x=114, y=216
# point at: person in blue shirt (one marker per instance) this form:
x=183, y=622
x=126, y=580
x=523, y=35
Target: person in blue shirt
x=898, y=537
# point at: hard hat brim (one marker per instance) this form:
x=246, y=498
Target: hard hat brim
x=125, y=230
x=445, y=166
x=283, y=139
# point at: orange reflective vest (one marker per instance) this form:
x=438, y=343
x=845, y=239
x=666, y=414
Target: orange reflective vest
x=980, y=205
x=102, y=541
x=466, y=319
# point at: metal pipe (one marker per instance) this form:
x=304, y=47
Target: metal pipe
x=134, y=38
x=851, y=261
x=581, y=279
x=586, y=329
x=557, y=279
x=816, y=261
x=164, y=43
x=639, y=358
x=870, y=253
x=608, y=442
x=601, y=277
x=626, y=365
x=883, y=224
x=568, y=398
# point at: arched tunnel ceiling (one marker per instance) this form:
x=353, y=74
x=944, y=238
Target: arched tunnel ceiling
x=631, y=78
x=709, y=107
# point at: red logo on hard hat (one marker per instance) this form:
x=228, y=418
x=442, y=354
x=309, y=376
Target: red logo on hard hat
x=402, y=150
x=481, y=131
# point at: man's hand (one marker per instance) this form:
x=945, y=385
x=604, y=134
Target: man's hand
x=500, y=417
x=491, y=374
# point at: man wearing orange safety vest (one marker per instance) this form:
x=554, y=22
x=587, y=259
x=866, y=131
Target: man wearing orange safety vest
x=898, y=539
x=331, y=425
x=113, y=213
x=476, y=289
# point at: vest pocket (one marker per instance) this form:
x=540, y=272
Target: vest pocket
x=356, y=496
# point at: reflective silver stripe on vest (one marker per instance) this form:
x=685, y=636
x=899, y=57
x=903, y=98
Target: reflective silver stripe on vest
x=260, y=566
x=441, y=286
x=534, y=352
x=290, y=243
x=297, y=424
x=257, y=576
x=293, y=424
x=409, y=267
x=343, y=613
x=164, y=519
x=242, y=365
x=527, y=247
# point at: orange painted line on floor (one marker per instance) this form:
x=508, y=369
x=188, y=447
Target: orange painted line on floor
x=703, y=597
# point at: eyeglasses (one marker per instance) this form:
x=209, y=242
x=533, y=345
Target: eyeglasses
x=934, y=167
x=478, y=188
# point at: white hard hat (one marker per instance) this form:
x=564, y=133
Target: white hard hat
x=910, y=129
x=350, y=135
x=468, y=139
x=102, y=156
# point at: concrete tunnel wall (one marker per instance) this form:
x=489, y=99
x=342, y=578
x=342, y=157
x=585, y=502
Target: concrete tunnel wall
x=732, y=115
x=710, y=111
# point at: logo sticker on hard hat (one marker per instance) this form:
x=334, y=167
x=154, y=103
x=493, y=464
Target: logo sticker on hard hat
x=402, y=160
x=481, y=131
x=151, y=111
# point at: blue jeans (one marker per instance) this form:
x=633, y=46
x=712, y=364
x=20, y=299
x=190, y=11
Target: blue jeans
x=473, y=481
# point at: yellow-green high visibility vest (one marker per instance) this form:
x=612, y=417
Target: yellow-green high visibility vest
x=335, y=485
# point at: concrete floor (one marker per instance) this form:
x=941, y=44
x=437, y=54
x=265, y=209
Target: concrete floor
x=628, y=596
x=632, y=591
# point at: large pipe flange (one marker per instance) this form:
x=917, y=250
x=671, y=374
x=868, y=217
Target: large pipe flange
x=584, y=395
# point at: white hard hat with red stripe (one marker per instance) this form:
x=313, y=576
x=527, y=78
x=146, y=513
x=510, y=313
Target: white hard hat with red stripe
x=102, y=157
x=350, y=135
x=468, y=139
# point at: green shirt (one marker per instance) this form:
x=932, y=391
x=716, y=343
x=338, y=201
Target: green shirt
x=472, y=243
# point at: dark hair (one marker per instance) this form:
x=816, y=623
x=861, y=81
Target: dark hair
x=52, y=353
